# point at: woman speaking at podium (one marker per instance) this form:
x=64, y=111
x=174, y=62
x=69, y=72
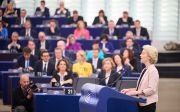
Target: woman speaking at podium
x=147, y=85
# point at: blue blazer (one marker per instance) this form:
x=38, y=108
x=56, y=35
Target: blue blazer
x=21, y=61
x=108, y=46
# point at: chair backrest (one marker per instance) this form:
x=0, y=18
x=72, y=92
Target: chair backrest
x=124, y=84
x=79, y=82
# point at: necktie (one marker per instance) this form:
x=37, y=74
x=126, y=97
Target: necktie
x=44, y=69
x=26, y=63
x=141, y=78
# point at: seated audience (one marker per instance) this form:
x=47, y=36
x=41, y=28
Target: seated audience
x=95, y=45
x=9, y=11
x=101, y=19
x=44, y=66
x=81, y=32
x=3, y=31
x=125, y=20
x=22, y=19
x=28, y=31
x=34, y=51
x=111, y=31
x=3, y=19
x=42, y=42
x=63, y=75
x=57, y=57
x=105, y=44
x=81, y=67
x=139, y=31
x=26, y=60
x=53, y=30
x=42, y=10
x=72, y=45
x=14, y=46
x=22, y=96
x=75, y=18
x=95, y=61
x=108, y=76
x=120, y=66
x=129, y=59
x=62, y=11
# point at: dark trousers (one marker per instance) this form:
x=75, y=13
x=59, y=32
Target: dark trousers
x=148, y=108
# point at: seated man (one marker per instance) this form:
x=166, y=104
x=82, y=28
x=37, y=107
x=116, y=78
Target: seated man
x=26, y=61
x=53, y=30
x=75, y=18
x=95, y=61
x=139, y=31
x=42, y=10
x=34, y=51
x=62, y=11
x=111, y=31
x=22, y=96
x=42, y=43
x=28, y=31
x=125, y=20
x=95, y=45
x=44, y=66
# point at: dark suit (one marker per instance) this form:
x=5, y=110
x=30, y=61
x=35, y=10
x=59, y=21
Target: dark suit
x=47, y=45
x=53, y=60
x=21, y=61
x=39, y=68
x=33, y=32
x=71, y=20
x=45, y=13
x=20, y=99
x=56, y=33
x=143, y=32
x=113, y=78
x=97, y=21
x=115, y=33
x=66, y=77
x=67, y=14
x=99, y=65
x=129, y=21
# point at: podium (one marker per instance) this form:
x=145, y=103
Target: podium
x=97, y=98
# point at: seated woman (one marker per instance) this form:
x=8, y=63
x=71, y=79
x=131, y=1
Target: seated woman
x=105, y=45
x=120, y=67
x=72, y=45
x=14, y=46
x=108, y=76
x=9, y=11
x=101, y=19
x=63, y=75
x=81, y=67
x=129, y=60
x=81, y=32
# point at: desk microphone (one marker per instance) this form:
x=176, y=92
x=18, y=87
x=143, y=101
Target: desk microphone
x=119, y=73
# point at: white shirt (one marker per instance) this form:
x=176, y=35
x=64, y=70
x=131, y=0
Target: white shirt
x=28, y=32
x=138, y=32
x=33, y=52
x=62, y=76
x=107, y=75
x=45, y=63
x=43, y=45
x=94, y=62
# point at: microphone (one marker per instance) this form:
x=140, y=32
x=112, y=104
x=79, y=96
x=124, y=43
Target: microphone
x=120, y=74
x=111, y=75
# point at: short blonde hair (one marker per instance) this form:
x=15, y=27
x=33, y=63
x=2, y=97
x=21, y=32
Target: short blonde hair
x=152, y=53
x=82, y=53
x=111, y=60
